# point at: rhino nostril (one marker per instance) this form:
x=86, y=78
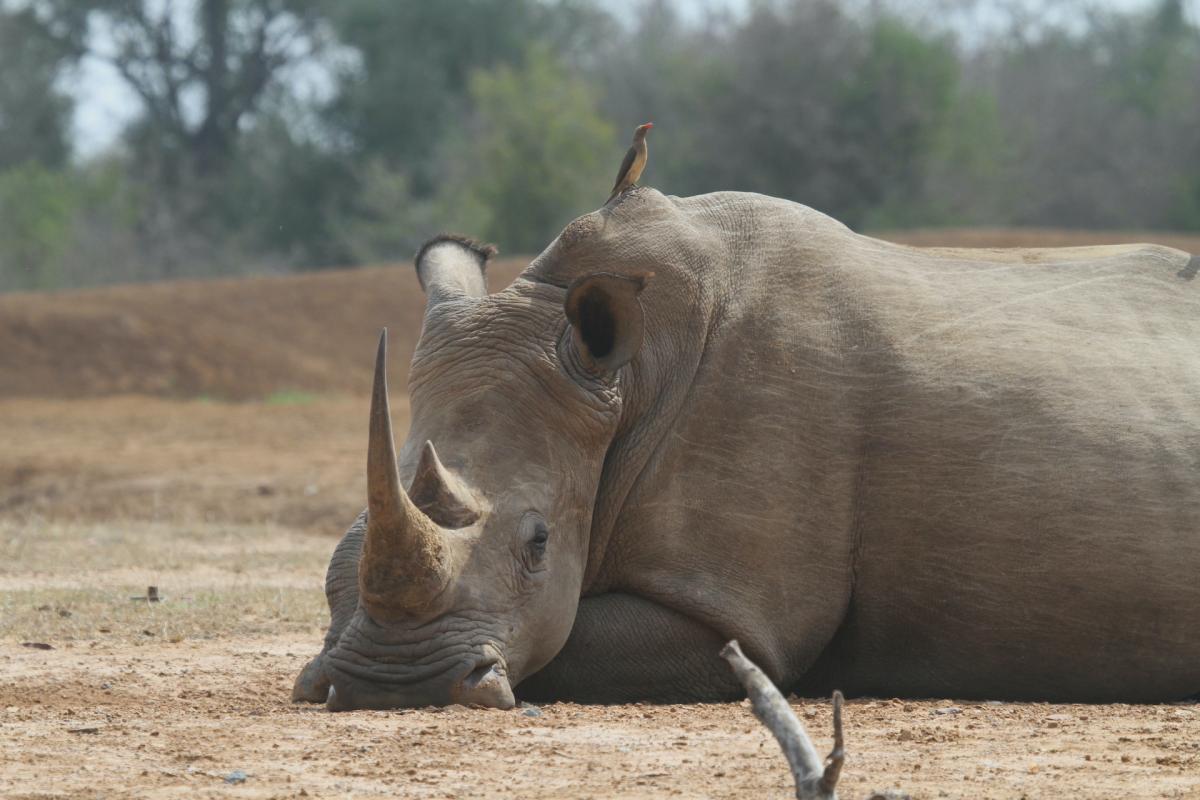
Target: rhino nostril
x=481, y=673
x=486, y=685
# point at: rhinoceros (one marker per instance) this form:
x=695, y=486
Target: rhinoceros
x=889, y=470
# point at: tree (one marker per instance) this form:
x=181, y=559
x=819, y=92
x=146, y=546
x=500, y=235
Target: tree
x=410, y=83
x=289, y=196
x=34, y=114
x=891, y=115
x=1145, y=54
x=206, y=73
x=36, y=209
x=810, y=102
x=1099, y=120
x=200, y=68
x=540, y=152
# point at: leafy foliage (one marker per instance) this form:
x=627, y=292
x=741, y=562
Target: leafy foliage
x=540, y=150
x=415, y=60
x=34, y=114
x=505, y=118
x=36, y=208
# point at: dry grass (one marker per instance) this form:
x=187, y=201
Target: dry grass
x=71, y=583
x=280, y=465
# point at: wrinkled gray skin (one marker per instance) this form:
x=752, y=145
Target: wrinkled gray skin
x=896, y=471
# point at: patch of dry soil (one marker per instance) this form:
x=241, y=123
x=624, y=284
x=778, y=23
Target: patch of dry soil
x=178, y=720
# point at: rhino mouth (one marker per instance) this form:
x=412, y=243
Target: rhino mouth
x=478, y=680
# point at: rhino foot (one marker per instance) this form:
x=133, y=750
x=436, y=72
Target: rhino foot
x=311, y=684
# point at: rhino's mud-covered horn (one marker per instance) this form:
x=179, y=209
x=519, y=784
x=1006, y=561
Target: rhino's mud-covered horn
x=404, y=563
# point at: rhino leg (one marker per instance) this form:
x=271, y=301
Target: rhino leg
x=341, y=592
x=625, y=649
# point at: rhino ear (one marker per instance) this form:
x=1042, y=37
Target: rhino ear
x=606, y=318
x=450, y=266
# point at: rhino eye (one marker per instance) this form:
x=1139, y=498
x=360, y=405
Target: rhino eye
x=541, y=535
x=536, y=534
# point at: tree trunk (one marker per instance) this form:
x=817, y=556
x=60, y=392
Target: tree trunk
x=213, y=140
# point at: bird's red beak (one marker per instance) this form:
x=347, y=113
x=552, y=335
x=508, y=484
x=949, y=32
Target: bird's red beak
x=648, y=126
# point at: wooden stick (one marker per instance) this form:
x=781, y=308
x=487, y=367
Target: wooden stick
x=814, y=781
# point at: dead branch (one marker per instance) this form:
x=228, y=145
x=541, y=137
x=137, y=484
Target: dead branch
x=814, y=781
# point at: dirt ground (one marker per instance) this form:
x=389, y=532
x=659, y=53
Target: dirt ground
x=181, y=697
x=231, y=503
x=229, y=509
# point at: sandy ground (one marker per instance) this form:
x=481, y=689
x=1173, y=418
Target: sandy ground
x=127, y=719
x=230, y=508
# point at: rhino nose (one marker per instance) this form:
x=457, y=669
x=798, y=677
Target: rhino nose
x=486, y=685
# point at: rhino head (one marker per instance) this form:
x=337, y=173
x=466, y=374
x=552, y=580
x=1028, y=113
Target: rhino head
x=475, y=540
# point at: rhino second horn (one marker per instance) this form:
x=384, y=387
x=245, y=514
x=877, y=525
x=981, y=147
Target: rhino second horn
x=440, y=494
x=405, y=562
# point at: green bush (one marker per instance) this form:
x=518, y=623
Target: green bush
x=541, y=154
x=37, y=209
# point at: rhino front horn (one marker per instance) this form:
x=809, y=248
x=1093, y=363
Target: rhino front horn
x=405, y=562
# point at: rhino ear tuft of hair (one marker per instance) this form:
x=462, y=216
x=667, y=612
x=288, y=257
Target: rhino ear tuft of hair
x=449, y=265
x=607, y=322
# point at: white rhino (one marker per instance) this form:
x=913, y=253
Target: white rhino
x=897, y=471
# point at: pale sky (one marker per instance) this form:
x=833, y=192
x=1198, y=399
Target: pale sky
x=104, y=104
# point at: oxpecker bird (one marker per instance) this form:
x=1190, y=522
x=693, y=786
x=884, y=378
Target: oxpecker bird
x=634, y=163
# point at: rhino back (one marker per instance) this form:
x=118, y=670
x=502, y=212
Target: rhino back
x=966, y=471
x=1030, y=509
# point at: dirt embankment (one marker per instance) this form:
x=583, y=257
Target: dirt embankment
x=251, y=338
x=234, y=339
